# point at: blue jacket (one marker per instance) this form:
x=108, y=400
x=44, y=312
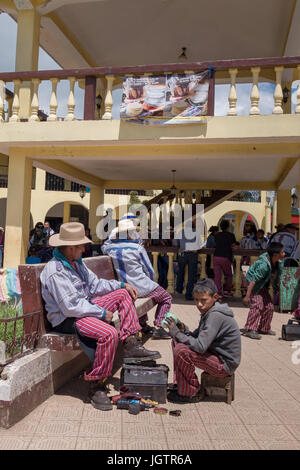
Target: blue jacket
x=69, y=293
x=132, y=264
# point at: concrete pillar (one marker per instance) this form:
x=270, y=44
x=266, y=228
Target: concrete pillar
x=96, y=199
x=67, y=208
x=40, y=179
x=18, y=208
x=284, y=206
x=267, y=218
x=27, y=55
x=274, y=219
x=238, y=220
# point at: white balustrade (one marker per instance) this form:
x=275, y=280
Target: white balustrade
x=297, y=109
x=254, y=96
x=71, y=100
x=53, y=100
x=35, y=101
x=16, y=103
x=278, y=95
x=232, y=98
x=108, y=103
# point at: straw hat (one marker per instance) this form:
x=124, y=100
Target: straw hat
x=71, y=233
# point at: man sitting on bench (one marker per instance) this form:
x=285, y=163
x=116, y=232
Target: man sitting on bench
x=215, y=346
x=78, y=302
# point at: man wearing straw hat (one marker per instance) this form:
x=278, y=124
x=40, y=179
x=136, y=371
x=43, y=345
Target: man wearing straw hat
x=78, y=301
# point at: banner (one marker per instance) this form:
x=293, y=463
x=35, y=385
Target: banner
x=165, y=99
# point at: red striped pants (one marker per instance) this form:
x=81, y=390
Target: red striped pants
x=164, y=301
x=261, y=312
x=185, y=361
x=106, y=335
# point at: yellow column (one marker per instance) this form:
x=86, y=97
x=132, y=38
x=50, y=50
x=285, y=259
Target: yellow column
x=40, y=179
x=284, y=206
x=27, y=54
x=171, y=274
x=267, y=218
x=96, y=199
x=238, y=219
x=67, y=207
x=274, y=219
x=18, y=208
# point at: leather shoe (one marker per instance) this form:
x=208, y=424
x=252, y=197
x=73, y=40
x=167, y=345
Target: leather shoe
x=134, y=349
x=98, y=396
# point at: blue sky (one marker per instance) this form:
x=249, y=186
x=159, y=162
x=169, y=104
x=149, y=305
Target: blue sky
x=8, y=34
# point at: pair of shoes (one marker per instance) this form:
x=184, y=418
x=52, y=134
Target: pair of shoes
x=160, y=333
x=174, y=397
x=270, y=332
x=147, y=329
x=133, y=349
x=252, y=334
x=98, y=395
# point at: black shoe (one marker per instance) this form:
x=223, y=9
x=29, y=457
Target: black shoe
x=147, y=329
x=174, y=397
x=252, y=334
x=134, y=350
x=270, y=332
x=98, y=395
x=160, y=333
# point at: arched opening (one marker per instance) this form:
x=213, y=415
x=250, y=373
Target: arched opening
x=66, y=212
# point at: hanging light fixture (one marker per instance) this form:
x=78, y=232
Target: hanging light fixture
x=173, y=188
x=82, y=191
x=183, y=54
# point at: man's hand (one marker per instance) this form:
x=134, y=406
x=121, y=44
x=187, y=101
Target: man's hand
x=181, y=326
x=246, y=301
x=170, y=321
x=132, y=291
x=108, y=317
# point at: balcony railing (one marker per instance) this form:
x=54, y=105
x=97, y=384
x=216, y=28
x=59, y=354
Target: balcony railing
x=172, y=254
x=89, y=80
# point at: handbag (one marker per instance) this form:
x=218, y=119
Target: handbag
x=291, y=331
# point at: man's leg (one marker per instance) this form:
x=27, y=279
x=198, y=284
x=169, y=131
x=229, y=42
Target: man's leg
x=164, y=301
x=185, y=361
x=180, y=274
x=228, y=276
x=254, y=316
x=192, y=274
x=264, y=326
x=218, y=274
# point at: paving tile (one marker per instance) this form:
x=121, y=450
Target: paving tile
x=14, y=443
x=57, y=428
x=257, y=416
x=189, y=444
x=93, y=443
x=227, y=431
x=63, y=412
x=26, y=427
x=144, y=417
x=277, y=445
x=143, y=431
x=288, y=416
x=145, y=444
x=220, y=417
x=53, y=443
x=99, y=429
x=278, y=432
x=92, y=414
x=235, y=445
x=295, y=430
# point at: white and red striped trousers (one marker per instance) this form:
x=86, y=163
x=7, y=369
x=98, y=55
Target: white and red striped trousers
x=106, y=335
x=261, y=312
x=164, y=301
x=185, y=362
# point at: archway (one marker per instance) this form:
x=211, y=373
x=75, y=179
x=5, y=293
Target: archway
x=66, y=211
x=237, y=221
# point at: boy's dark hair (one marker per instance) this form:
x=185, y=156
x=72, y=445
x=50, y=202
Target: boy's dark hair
x=274, y=248
x=205, y=285
x=214, y=228
x=261, y=230
x=224, y=224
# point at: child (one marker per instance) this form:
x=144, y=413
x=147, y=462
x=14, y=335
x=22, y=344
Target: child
x=215, y=346
x=33, y=257
x=266, y=269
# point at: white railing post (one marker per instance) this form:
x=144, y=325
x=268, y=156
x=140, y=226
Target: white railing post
x=35, y=101
x=297, y=110
x=232, y=98
x=2, y=98
x=108, y=103
x=71, y=100
x=155, y=264
x=278, y=95
x=53, y=100
x=202, y=261
x=16, y=103
x=254, y=96
x=238, y=279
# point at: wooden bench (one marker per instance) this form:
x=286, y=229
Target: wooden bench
x=29, y=275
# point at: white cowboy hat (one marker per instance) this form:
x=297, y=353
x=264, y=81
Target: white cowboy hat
x=70, y=233
x=126, y=225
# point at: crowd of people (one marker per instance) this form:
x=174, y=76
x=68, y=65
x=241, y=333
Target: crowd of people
x=77, y=301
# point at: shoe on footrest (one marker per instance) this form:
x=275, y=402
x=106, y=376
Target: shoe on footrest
x=174, y=397
x=160, y=333
x=98, y=395
x=134, y=350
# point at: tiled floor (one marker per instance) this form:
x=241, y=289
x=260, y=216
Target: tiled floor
x=264, y=415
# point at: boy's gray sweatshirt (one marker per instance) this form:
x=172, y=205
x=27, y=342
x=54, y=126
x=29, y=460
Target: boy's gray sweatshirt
x=218, y=333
